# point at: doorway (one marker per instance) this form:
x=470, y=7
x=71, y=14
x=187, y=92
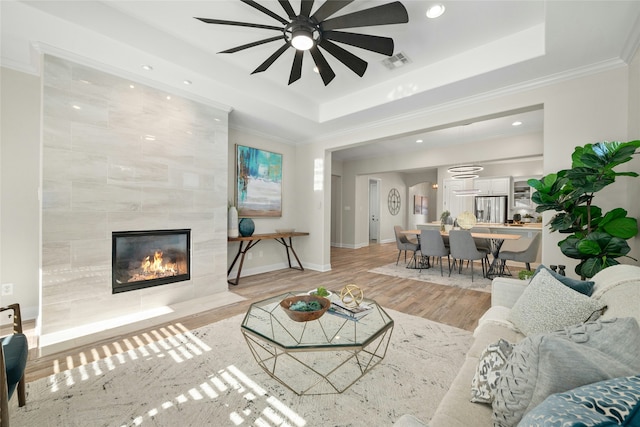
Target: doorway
x=374, y=210
x=336, y=211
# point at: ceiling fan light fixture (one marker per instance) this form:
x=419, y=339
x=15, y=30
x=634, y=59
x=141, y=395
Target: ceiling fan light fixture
x=302, y=39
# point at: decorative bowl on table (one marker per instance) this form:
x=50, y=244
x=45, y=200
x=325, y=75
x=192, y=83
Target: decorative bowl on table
x=307, y=304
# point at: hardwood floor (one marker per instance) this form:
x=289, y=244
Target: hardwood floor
x=445, y=304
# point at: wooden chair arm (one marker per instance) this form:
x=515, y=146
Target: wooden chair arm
x=17, y=317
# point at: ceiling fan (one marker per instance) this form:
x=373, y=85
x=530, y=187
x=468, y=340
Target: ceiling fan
x=305, y=31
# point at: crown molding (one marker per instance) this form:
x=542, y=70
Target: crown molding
x=632, y=45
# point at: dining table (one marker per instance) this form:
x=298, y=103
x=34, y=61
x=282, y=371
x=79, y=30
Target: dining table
x=495, y=242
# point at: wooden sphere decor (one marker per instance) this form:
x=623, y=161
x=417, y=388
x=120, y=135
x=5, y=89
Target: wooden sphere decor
x=351, y=295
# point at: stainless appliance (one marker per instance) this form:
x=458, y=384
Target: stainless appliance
x=492, y=209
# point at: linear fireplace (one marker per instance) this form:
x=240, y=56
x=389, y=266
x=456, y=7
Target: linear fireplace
x=142, y=259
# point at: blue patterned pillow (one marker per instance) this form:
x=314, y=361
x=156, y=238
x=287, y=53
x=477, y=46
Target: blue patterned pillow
x=585, y=287
x=606, y=403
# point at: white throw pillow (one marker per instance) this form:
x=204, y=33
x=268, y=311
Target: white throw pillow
x=547, y=305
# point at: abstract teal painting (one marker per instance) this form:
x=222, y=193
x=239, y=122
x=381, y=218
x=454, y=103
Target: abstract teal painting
x=258, y=182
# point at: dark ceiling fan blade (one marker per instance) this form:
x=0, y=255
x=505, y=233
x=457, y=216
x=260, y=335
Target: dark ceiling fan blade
x=287, y=8
x=383, y=45
x=305, y=7
x=296, y=67
x=248, y=45
x=239, y=24
x=324, y=68
x=265, y=11
x=354, y=63
x=390, y=13
x=328, y=8
x=270, y=60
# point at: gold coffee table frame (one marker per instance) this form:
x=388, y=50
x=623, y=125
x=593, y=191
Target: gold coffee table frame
x=322, y=356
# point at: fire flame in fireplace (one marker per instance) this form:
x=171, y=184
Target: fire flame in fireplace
x=156, y=266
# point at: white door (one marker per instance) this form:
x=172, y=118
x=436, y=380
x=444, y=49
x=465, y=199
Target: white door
x=374, y=210
x=451, y=202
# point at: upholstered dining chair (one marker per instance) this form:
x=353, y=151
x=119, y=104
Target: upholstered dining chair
x=14, y=352
x=432, y=245
x=463, y=248
x=527, y=255
x=404, y=244
x=483, y=245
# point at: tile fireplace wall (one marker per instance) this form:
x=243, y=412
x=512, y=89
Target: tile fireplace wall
x=121, y=156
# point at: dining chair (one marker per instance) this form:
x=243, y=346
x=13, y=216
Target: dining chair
x=14, y=351
x=483, y=245
x=527, y=255
x=432, y=245
x=404, y=244
x=463, y=248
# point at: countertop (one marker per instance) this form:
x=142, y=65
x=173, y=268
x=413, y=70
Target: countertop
x=526, y=226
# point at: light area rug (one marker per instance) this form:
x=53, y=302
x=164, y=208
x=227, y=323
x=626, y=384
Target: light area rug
x=432, y=275
x=208, y=377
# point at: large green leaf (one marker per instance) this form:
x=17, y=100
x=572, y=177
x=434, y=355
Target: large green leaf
x=624, y=228
x=616, y=247
x=569, y=247
x=590, y=267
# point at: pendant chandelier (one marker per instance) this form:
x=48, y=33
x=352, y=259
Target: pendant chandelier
x=465, y=171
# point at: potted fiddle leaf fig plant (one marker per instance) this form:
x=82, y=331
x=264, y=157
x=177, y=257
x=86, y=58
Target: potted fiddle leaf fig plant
x=596, y=239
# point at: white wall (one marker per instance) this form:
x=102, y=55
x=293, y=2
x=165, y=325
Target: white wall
x=268, y=255
x=20, y=181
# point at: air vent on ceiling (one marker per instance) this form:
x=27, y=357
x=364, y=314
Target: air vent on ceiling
x=396, y=61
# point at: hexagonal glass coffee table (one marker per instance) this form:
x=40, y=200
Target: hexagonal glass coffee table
x=322, y=356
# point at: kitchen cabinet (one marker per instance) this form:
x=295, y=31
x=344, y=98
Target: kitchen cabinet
x=493, y=186
x=521, y=195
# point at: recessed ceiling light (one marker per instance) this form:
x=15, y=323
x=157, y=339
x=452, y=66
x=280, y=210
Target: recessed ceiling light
x=516, y=123
x=147, y=67
x=419, y=141
x=187, y=82
x=169, y=97
x=77, y=107
x=149, y=138
x=132, y=86
x=435, y=11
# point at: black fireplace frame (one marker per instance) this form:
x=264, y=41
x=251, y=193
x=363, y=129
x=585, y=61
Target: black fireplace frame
x=118, y=287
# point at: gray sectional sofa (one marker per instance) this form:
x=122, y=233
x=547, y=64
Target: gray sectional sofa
x=617, y=288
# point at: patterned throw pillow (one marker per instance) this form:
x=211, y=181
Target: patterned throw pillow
x=487, y=373
x=547, y=305
x=613, y=402
x=557, y=362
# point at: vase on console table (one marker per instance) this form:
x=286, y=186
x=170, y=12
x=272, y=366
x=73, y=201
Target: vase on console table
x=246, y=227
x=232, y=226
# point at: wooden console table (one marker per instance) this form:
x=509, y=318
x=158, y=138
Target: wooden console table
x=248, y=242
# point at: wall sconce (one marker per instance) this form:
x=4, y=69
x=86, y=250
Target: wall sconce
x=434, y=186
